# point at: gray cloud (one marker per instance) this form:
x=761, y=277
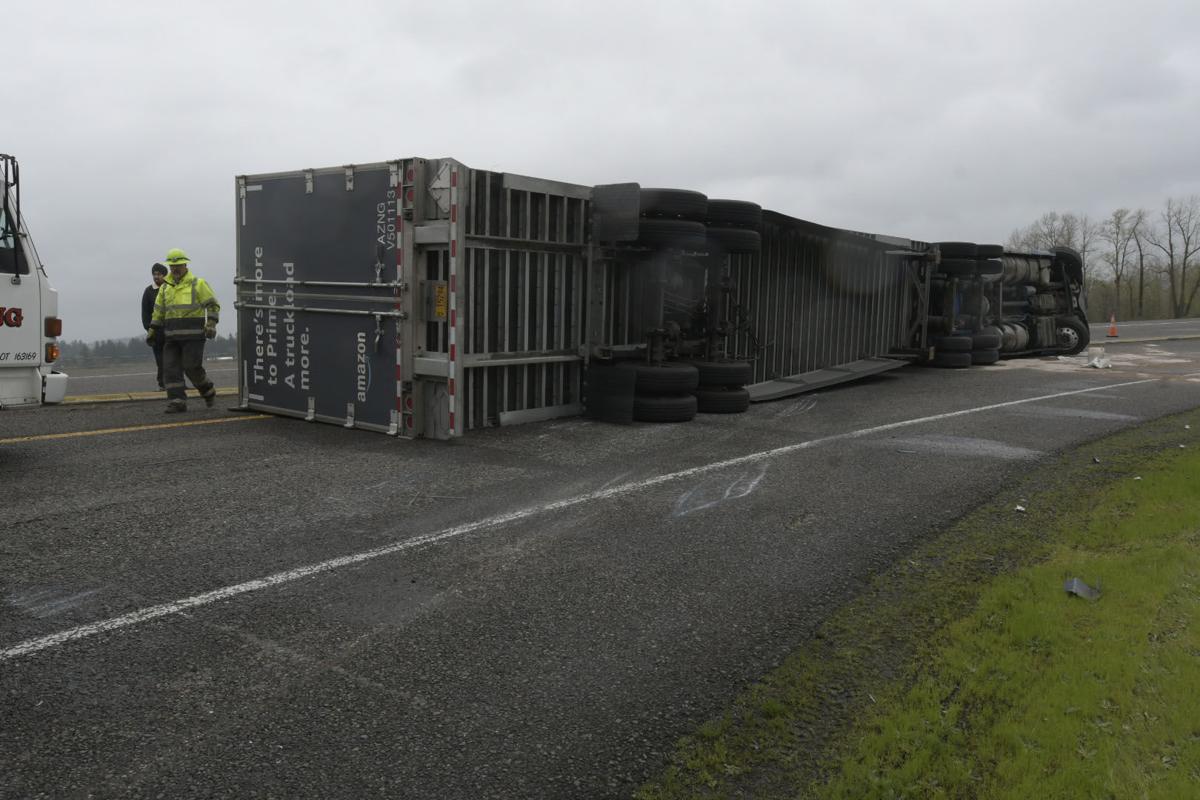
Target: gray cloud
x=929, y=119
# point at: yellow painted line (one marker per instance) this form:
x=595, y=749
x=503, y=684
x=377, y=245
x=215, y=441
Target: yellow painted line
x=117, y=397
x=105, y=431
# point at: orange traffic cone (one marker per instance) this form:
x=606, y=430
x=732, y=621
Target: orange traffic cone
x=1112, y=327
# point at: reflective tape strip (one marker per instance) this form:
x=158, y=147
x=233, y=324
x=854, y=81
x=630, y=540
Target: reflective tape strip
x=452, y=374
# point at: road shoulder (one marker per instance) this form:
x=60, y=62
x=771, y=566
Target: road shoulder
x=793, y=728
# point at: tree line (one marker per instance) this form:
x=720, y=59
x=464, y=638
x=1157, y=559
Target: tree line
x=113, y=351
x=1138, y=264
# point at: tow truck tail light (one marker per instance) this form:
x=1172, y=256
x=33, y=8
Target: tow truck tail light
x=51, y=353
x=53, y=326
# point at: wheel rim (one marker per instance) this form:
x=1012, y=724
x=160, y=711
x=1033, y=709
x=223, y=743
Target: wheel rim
x=1068, y=338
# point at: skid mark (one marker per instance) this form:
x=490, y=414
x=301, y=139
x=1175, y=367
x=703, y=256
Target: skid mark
x=719, y=489
x=42, y=603
x=962, y=446
x=1073, y=413
x=801, y=406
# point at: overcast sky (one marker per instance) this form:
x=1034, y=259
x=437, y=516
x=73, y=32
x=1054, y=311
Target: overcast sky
x=932, y=120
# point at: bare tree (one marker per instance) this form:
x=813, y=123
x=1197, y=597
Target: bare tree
x=1052, y=230
x=1178, y=239
x=1117, y=231
x=1138, y=232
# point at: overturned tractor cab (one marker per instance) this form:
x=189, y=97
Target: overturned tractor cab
x=987, y=303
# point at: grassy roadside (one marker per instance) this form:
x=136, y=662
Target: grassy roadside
x=967, y=671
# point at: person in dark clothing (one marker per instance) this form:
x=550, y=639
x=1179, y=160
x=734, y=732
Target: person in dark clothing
x=158, y=273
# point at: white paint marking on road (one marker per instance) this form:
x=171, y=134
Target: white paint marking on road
x=288, y=576
x=965, y=446
x=716, y=490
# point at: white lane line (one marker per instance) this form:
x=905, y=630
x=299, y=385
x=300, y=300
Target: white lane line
x=216, y=595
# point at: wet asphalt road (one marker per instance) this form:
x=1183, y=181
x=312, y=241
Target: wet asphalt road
x=135, y=377
x=594, y=592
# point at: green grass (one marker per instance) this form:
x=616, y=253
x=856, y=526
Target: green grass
x=967, y=671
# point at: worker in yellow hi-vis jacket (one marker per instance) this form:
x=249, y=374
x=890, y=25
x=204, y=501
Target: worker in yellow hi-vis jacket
x=185, y=314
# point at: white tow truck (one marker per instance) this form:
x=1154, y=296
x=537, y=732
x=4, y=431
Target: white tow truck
x=29, y=323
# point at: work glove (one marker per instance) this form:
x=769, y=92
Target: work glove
x=150, y=335
x=210, y=330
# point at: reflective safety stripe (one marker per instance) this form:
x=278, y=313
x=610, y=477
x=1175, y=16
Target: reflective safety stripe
x=173, y=385
x=203, y=305
x=179, y=333
x=180, y=322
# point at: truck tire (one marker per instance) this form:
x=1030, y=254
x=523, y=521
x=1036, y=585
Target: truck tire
x=679, y=234
x=986, y=339
x=671, y=378
x=673, y=203
x=722, y=401
x=989, y=356
x=680, y=408
x=989, y=268
x=724, y=373
x=961, y=267
x=734, y=240
x=967, y=250
x=1073, y=335
x=952, y=360
x=734, y=212
x=989, y=251
x=953, y=344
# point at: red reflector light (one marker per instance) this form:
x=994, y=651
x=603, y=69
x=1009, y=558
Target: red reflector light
x=51, y=353
x=53, y=326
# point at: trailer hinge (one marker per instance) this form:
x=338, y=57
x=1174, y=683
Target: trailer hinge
x=312, y=410
x=394, y=174
x=394, y=423
x=350, y=178
x=308, y=181
x=349, y=415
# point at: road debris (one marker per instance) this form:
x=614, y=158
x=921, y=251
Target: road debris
x=1079, y=588
x=1021, y=509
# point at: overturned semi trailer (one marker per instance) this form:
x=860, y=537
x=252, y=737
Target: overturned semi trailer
x=423, y=298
